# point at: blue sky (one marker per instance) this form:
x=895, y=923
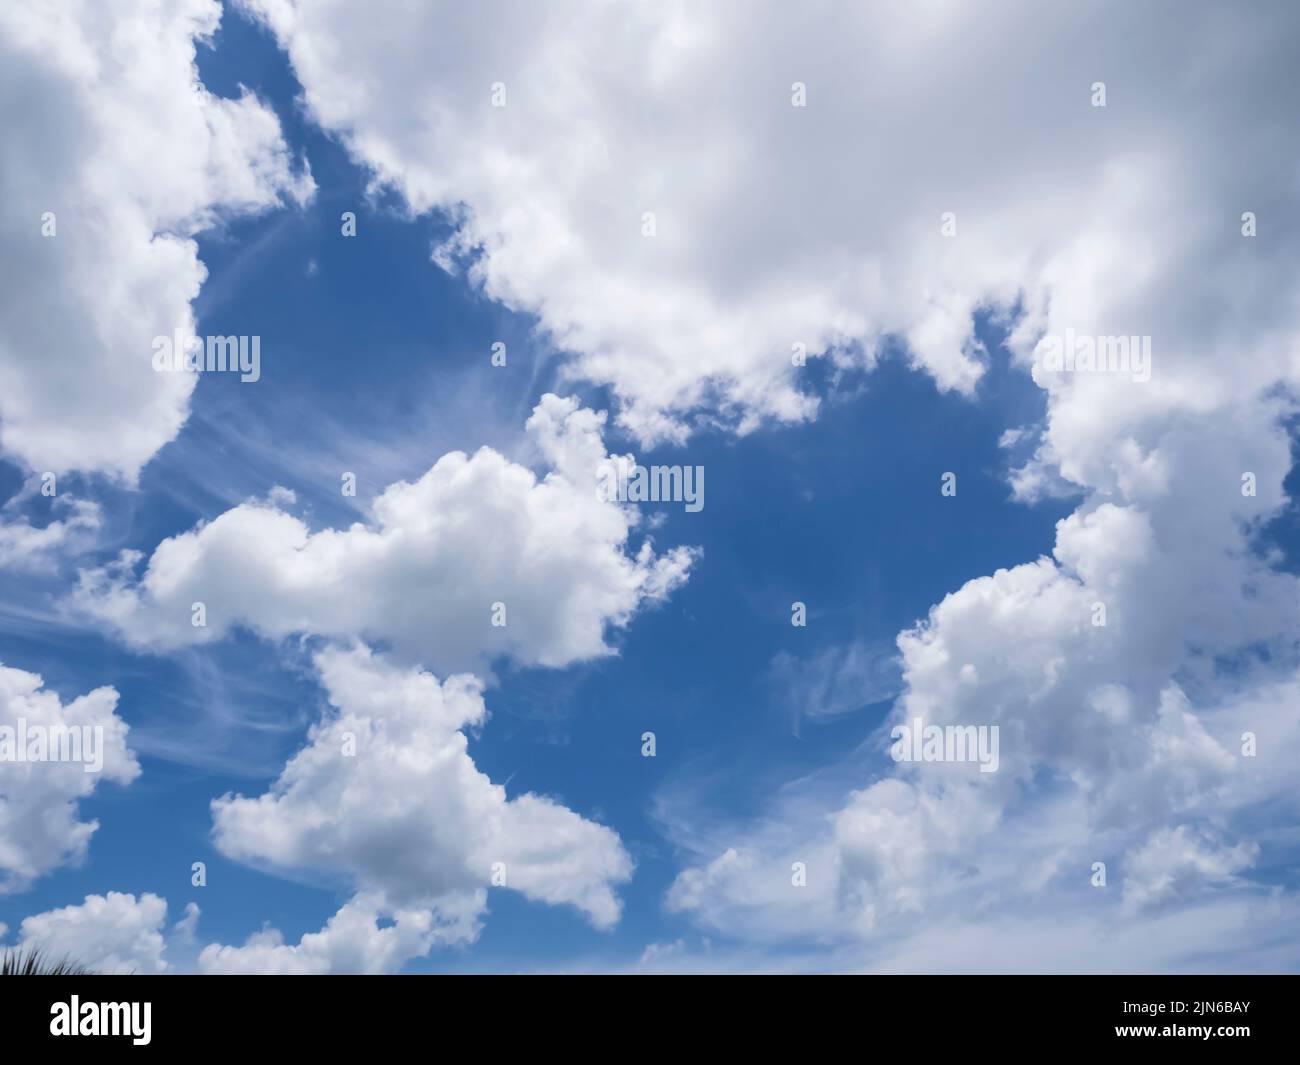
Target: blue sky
x=770, y=737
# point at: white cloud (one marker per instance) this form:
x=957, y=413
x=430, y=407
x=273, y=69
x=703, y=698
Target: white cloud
x=822, y=225
x=185, y=929
x=40, y=828
x=1109, y=735
x=351, y=942
x=1250, y=935
x=109, y=131
x=120, y=933
x=385, y=796
x=424, y=573
x=24, y=546
x=1222, y=935
x=778, y=225
x=108, y=934
x=1175, y=861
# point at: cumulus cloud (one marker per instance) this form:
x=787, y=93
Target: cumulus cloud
x=424, y=573
x=115, y=149
x=108, y=934
x=777, y=225
x=1097, y=762
x=118, y=933
x=40, y=828
x=352, y=941
x=386, y=797
x=1110, y=733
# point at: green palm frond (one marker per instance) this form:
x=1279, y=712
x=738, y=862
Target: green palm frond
x=32, y=962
